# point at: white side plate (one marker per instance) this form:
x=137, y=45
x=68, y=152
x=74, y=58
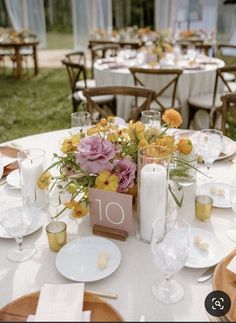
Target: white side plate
x=204, y=258
x=77, y=260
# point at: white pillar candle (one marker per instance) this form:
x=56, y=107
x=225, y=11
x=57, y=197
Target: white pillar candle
x=153, y=196
x=30, y=170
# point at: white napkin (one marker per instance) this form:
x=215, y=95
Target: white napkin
x=60, y=303
x=7, y=160
x=232, y=265
x=86, y=317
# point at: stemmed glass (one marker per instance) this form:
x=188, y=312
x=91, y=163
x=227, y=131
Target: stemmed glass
x=231, y=232
x=210, y=145
x=16, y=222
x=151, y=119
x=170, y=252
x=80, y=121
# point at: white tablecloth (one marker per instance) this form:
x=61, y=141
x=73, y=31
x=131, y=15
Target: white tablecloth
x=191, y=83
x=135, y=275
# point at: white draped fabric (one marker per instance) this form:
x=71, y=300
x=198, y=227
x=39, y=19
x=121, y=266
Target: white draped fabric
x=28, y=14
x=89, y=15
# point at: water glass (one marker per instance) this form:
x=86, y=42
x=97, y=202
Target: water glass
x=151, y=119
x=80, y=121
x=210, y=145
x=16, y=222
x=170, y=253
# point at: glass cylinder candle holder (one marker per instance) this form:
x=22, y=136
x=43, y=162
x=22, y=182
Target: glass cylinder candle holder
x=31, y=165
x=153, y=166
x=203, y=207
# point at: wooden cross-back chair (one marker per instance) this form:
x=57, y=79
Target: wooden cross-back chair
x=76, y=57
x=211, y=101
x=134, y=91
x=159, y=98
x=228, y=108
x=102, y=51
x=78, y=81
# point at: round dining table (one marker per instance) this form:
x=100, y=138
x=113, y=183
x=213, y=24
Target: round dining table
x=198, y=79
x=134, y=277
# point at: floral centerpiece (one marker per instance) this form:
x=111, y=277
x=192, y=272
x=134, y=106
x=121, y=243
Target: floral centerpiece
x=105, y=157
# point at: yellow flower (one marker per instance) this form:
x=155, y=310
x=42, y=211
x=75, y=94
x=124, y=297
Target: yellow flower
x=78, y=209
x=44, y=181
x=71, y=188
x=112, y=137
x=172, y=118
x=166, y=141
x=103, y=122
x=136, y=130
x=93, y=130
x=106, y=181
x=110, y=119
x=185, y=146
x=70, y=144
x=143, y=143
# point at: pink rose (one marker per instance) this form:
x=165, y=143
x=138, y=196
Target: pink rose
x=95, y=154
x=125, y=170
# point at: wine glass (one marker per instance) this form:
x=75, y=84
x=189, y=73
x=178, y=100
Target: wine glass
x=210, y=145
x=80, y=121
x=151, y=119
x=16, y=222
x=231, y=232
x=170, y=252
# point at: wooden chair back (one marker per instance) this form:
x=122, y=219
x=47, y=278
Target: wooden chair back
x=102, y=51
x=215, y=111
x=221, y=48
x=133, y=91
x=228, y=108
x=75, y=72
x=174, y=73
x=77, y=57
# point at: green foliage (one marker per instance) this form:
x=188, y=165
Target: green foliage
x=33, y=104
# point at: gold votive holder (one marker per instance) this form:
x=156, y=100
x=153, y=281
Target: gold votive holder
x=203, y=207
x=56, y=233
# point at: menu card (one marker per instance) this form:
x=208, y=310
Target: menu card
x=60, y=303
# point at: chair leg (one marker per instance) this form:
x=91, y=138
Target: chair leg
x=192, y=112
x=75, y=105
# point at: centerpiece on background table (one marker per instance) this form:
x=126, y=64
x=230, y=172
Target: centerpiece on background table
x=105, y=158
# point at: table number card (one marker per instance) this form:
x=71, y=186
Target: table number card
x=111, y=210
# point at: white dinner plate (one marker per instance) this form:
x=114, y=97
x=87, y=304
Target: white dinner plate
x=36, y=223
x=77, y=260
x=218, y=191
x=13, y=179
x=229, y=145
x=204, y=258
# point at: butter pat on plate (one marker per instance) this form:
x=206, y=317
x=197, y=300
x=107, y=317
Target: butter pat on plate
x=232, y=265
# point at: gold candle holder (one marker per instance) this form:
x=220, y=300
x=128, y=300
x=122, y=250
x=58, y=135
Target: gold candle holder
x=56, y=233
x=203, y=207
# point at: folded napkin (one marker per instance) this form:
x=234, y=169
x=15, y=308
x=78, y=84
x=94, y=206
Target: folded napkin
x=232, y=265
x=60, y=303
x=86, y=317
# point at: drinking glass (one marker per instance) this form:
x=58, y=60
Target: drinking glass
x=170, y=252
x=16, y=222
x=210, y=145
x=231, y=232
x=151, y=119
x=80, y=121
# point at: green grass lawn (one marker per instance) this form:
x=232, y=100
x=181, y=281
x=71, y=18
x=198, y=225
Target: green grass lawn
x=59, y=40
x=34, y=104
x=39, y=104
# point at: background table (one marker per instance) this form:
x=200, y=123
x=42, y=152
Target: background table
x=191, y=83
x=134, y=277
x=17, y=47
